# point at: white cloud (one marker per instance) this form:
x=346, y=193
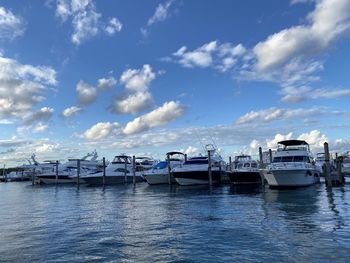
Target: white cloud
x=114, y=26
x=40, y=127
x=275, y=114
x=314, y=138
x=22, y=86
x=132, y=103
x=71, y=111
x=44, y=114
x=136, y=96
x=85, y=19
x=106, y=83
x=87, y=94
x=46, y=148
x=328, y=21
x=290, y=57
x=293, y=2
x=138, y=79
x=191, y=150
x=11, y=26
x=160, y=116
x=272, y=143
x=298, y=94
x=161, y=13
x=101, y=131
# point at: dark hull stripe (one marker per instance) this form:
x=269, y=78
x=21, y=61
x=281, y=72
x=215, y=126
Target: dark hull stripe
x=110, y=180
x=244, y=177
x=199, y=175
x=53, y=177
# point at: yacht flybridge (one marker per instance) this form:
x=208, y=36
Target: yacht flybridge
x=292, y=166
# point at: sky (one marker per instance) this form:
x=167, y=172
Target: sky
x=148, y=77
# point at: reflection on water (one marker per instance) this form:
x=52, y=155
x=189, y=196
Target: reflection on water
x=171, y=223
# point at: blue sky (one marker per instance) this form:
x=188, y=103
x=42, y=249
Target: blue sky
x=147, y=77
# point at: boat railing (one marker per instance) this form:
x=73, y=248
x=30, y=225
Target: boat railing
x=294, y=165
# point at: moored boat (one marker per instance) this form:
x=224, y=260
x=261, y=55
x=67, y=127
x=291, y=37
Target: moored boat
x=159, y=174
x=244, y=170
x=292, y=166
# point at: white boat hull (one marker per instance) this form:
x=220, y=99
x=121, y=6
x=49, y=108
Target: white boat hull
x=292, y=178
x=53, y=181
x=189, y=181
x=153, y=178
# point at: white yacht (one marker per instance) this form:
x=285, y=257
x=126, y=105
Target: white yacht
x=118, y=171
x=67, y=172
x=244, y=170
x=195, y=170
x=159, y=174
x=292, y=166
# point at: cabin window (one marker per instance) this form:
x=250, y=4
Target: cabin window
x=239, y=166
x=299, y=158
x=277, y=159
x=254, y=165
x=287, y=159
x=247, y=165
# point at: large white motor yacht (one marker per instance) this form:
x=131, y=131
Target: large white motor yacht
x=292, y=166
x=159, y=174
x=118, y=171
x=67, y=172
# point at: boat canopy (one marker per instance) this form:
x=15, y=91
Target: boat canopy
x=173, y=153
x=293, y=142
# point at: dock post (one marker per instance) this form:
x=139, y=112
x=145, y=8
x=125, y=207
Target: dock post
x=169, y=168
x=261, y=157
x=326, y=171
x=185, y=157
x=270, y=155
x=209, y=169
x=230, y=163
x=125, y=170
x=341, y=178
x=33, y=176
x=78, y=172
x=56, y=178
x=4, y=175
x=104, y=171
x=134, y=170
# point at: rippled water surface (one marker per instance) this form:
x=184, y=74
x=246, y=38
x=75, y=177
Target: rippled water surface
x=173, y=224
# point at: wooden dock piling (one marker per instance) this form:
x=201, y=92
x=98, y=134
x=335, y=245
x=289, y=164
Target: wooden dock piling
x=78, y=172
x=230, y=163
x=134, y=170
x=270, y=155
x=126, y=170
x=104, y=171
x=33, y=176
x=326, y=166
x=209, y=169
x=169, y=168
x=56, y=177
x=261, y=157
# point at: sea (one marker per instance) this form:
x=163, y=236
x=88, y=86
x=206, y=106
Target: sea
x=144, y=223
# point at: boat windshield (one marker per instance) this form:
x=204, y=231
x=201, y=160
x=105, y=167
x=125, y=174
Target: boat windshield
x=160, y=165
x=120, y=159
x=289, y=159
x=198, y=160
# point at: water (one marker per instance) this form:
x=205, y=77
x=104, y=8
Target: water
x=173, y=224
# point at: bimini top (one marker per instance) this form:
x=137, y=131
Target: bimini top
x=293, y=142
x=173, y=153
